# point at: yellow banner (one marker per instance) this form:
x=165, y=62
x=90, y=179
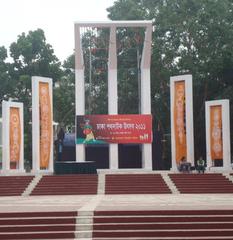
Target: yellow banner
x=45, y=125
x=179, y=120
x=216, y=132
x=15, y=137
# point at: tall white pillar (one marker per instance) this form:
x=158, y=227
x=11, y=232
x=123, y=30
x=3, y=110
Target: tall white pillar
x=79, y=89
x=42, y=126
x=187, y=79
x=12, y=137
x=146, y=93
x=224, y=132
x=112, y=93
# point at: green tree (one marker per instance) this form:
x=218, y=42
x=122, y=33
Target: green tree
x=64, y=95
x=32, y=56
x=6, y=86
x=190, y=37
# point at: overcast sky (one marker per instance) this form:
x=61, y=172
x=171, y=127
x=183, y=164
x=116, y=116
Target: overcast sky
x=55, y=17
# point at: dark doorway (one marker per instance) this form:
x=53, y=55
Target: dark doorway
x=130, y=156
x=98, y=154
x=157, y=151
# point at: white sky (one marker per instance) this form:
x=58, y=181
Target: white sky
x=55, y=17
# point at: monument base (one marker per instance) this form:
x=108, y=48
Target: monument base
x=71, y=167
x=12, y=172
x=42, y=172
x=218, y=169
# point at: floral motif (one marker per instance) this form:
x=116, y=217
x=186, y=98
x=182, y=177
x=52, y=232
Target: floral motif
x=45, y=125
x=15, y=134
x=216, y=132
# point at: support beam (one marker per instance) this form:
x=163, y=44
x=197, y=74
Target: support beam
x=146, y=93
x=109, y=24
x=79, y=89
x=112, y=93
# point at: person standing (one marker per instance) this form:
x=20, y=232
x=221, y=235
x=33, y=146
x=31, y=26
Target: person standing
x=60, y=138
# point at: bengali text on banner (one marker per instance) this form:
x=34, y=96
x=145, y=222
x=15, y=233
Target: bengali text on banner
x=101, y=129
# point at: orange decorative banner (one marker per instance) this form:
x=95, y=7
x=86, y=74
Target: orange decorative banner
x=45, y=125
x=15, y=136
x=179, y=120
x=216, y=147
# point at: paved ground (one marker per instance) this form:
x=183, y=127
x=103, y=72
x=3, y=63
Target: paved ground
x=117, y=202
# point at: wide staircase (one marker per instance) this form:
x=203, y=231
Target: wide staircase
x=87, y=184
x=163, y=224
x=67, y=185
x=119, y=225
x=202, y=183
x=109, y=223
x=135, y=184
x=14, y=185
x=38, y=225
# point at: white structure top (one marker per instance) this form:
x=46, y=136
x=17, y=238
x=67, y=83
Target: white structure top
x=114, y=23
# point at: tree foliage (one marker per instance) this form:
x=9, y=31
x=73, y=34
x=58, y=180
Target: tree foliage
x=4, y=76
x=64, y=95
x=31, y=56
x=190, y=37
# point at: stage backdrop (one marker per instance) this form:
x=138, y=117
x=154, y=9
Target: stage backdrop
x=102, y=129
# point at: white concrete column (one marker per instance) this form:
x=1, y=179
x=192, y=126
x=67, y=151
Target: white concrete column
x=36, y=123
x=188, y=117
x=226, y=146
x=146, y=93
x=146, y=109
x=6, y=144
x=226, y=135
x=112, y=93
x=79, y=89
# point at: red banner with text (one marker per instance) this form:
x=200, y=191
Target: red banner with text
x=100, y=129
